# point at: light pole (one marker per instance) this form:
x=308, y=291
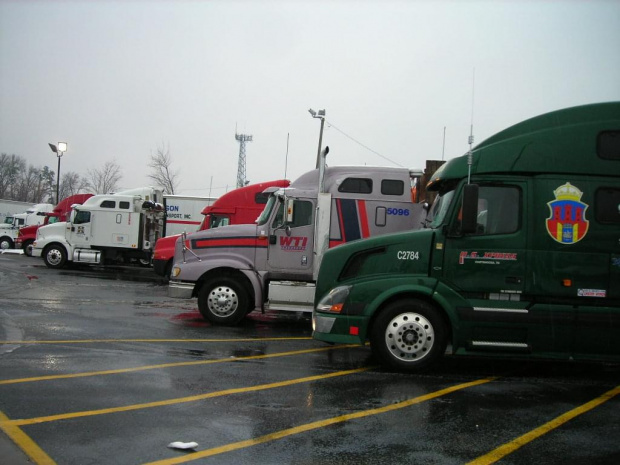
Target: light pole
x=59, y=150
x=321, y=116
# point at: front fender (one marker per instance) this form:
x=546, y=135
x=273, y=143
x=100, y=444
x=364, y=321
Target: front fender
x=367, y=298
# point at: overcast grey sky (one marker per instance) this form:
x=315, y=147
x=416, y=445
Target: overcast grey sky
x=118, y=79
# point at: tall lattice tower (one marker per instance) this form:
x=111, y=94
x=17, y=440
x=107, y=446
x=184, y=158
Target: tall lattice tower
x=242, y=138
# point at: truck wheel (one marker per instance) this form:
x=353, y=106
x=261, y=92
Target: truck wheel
x=55, y=256
x=223, y=301
x=28, y=248
x=408, y=335
x=6, y=243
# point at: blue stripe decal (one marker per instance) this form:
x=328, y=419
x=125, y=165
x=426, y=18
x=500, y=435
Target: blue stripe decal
x=351, y=224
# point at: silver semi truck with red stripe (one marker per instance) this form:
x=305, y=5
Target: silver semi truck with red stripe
x=273, y=264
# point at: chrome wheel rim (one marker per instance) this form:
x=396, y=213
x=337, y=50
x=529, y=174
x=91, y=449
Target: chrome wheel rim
x=223, y=301
x=409, y=337
x=54, y=257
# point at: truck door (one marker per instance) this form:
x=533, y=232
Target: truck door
x=79, y=229
x=291, y=239
x=488, y=268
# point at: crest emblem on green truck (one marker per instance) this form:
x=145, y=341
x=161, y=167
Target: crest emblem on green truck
x=567, y=223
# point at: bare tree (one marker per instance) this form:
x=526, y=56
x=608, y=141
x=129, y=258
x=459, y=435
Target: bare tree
x=162, y=173
x=25, y=183
x=105, y=179
x=26, y=186
x=72, y=183
x=48, y=184
x=10, y=169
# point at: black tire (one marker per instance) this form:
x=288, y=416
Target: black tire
x=6, y=243
x=28, y=248
x=168, y=270
x=408, y=335
x=55, y=256
x=223, y=301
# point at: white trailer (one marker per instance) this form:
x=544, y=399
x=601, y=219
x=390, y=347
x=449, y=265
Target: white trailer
x=184, y=212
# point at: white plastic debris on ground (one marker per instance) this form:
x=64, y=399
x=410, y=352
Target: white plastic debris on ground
x=183, y=445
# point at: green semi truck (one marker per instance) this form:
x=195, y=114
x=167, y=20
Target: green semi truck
x=520, y=256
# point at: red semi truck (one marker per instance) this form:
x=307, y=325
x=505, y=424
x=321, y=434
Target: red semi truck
x=240, y=206
x=27, y=234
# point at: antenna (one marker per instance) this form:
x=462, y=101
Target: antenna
x=242, y=139
x=470, y=156
x=443, y=149
x=286, y=158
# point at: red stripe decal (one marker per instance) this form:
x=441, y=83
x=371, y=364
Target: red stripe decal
x=229, y=242
x=361, y=206
x=340, y=220
x=182, y=222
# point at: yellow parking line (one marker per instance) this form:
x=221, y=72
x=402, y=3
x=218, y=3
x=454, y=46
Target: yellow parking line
x=180, y=400
x=317, y=424
x=171, y=365
x=512, y=446
x=97, y=341
x=30, y=448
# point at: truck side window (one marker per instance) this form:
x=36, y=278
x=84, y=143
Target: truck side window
x=81, y=217
x=499, y=210
x=302, y=214
x=392, y=187
x=108, y=204
x=356, y=186
x=217, y=221
x=607, y=205
x=261, y=198
x=124, y=205
x=608, y=145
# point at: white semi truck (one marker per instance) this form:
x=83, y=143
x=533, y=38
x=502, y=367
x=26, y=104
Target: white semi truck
x=273, y=264
x=28, y=215
x=33, y=215
x=107, y=228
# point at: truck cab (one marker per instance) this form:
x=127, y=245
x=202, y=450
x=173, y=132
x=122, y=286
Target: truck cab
x=272, y=264
x=239, y=206
x=521, y=256
x=27, y=234
x=105, y=229
x=34, y=215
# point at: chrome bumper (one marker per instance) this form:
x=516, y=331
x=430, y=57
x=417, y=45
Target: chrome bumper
x=179, y=290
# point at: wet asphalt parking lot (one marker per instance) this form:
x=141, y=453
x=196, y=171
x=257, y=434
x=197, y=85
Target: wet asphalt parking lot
x=99, y=366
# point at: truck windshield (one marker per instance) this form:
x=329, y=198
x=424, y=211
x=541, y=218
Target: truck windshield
x=264, y=216
x=439, y=209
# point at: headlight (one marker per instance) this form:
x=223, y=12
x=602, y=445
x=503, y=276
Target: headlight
x=334, y=301
x=176, y=271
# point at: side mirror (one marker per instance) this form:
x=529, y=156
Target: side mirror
x=469, y=219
